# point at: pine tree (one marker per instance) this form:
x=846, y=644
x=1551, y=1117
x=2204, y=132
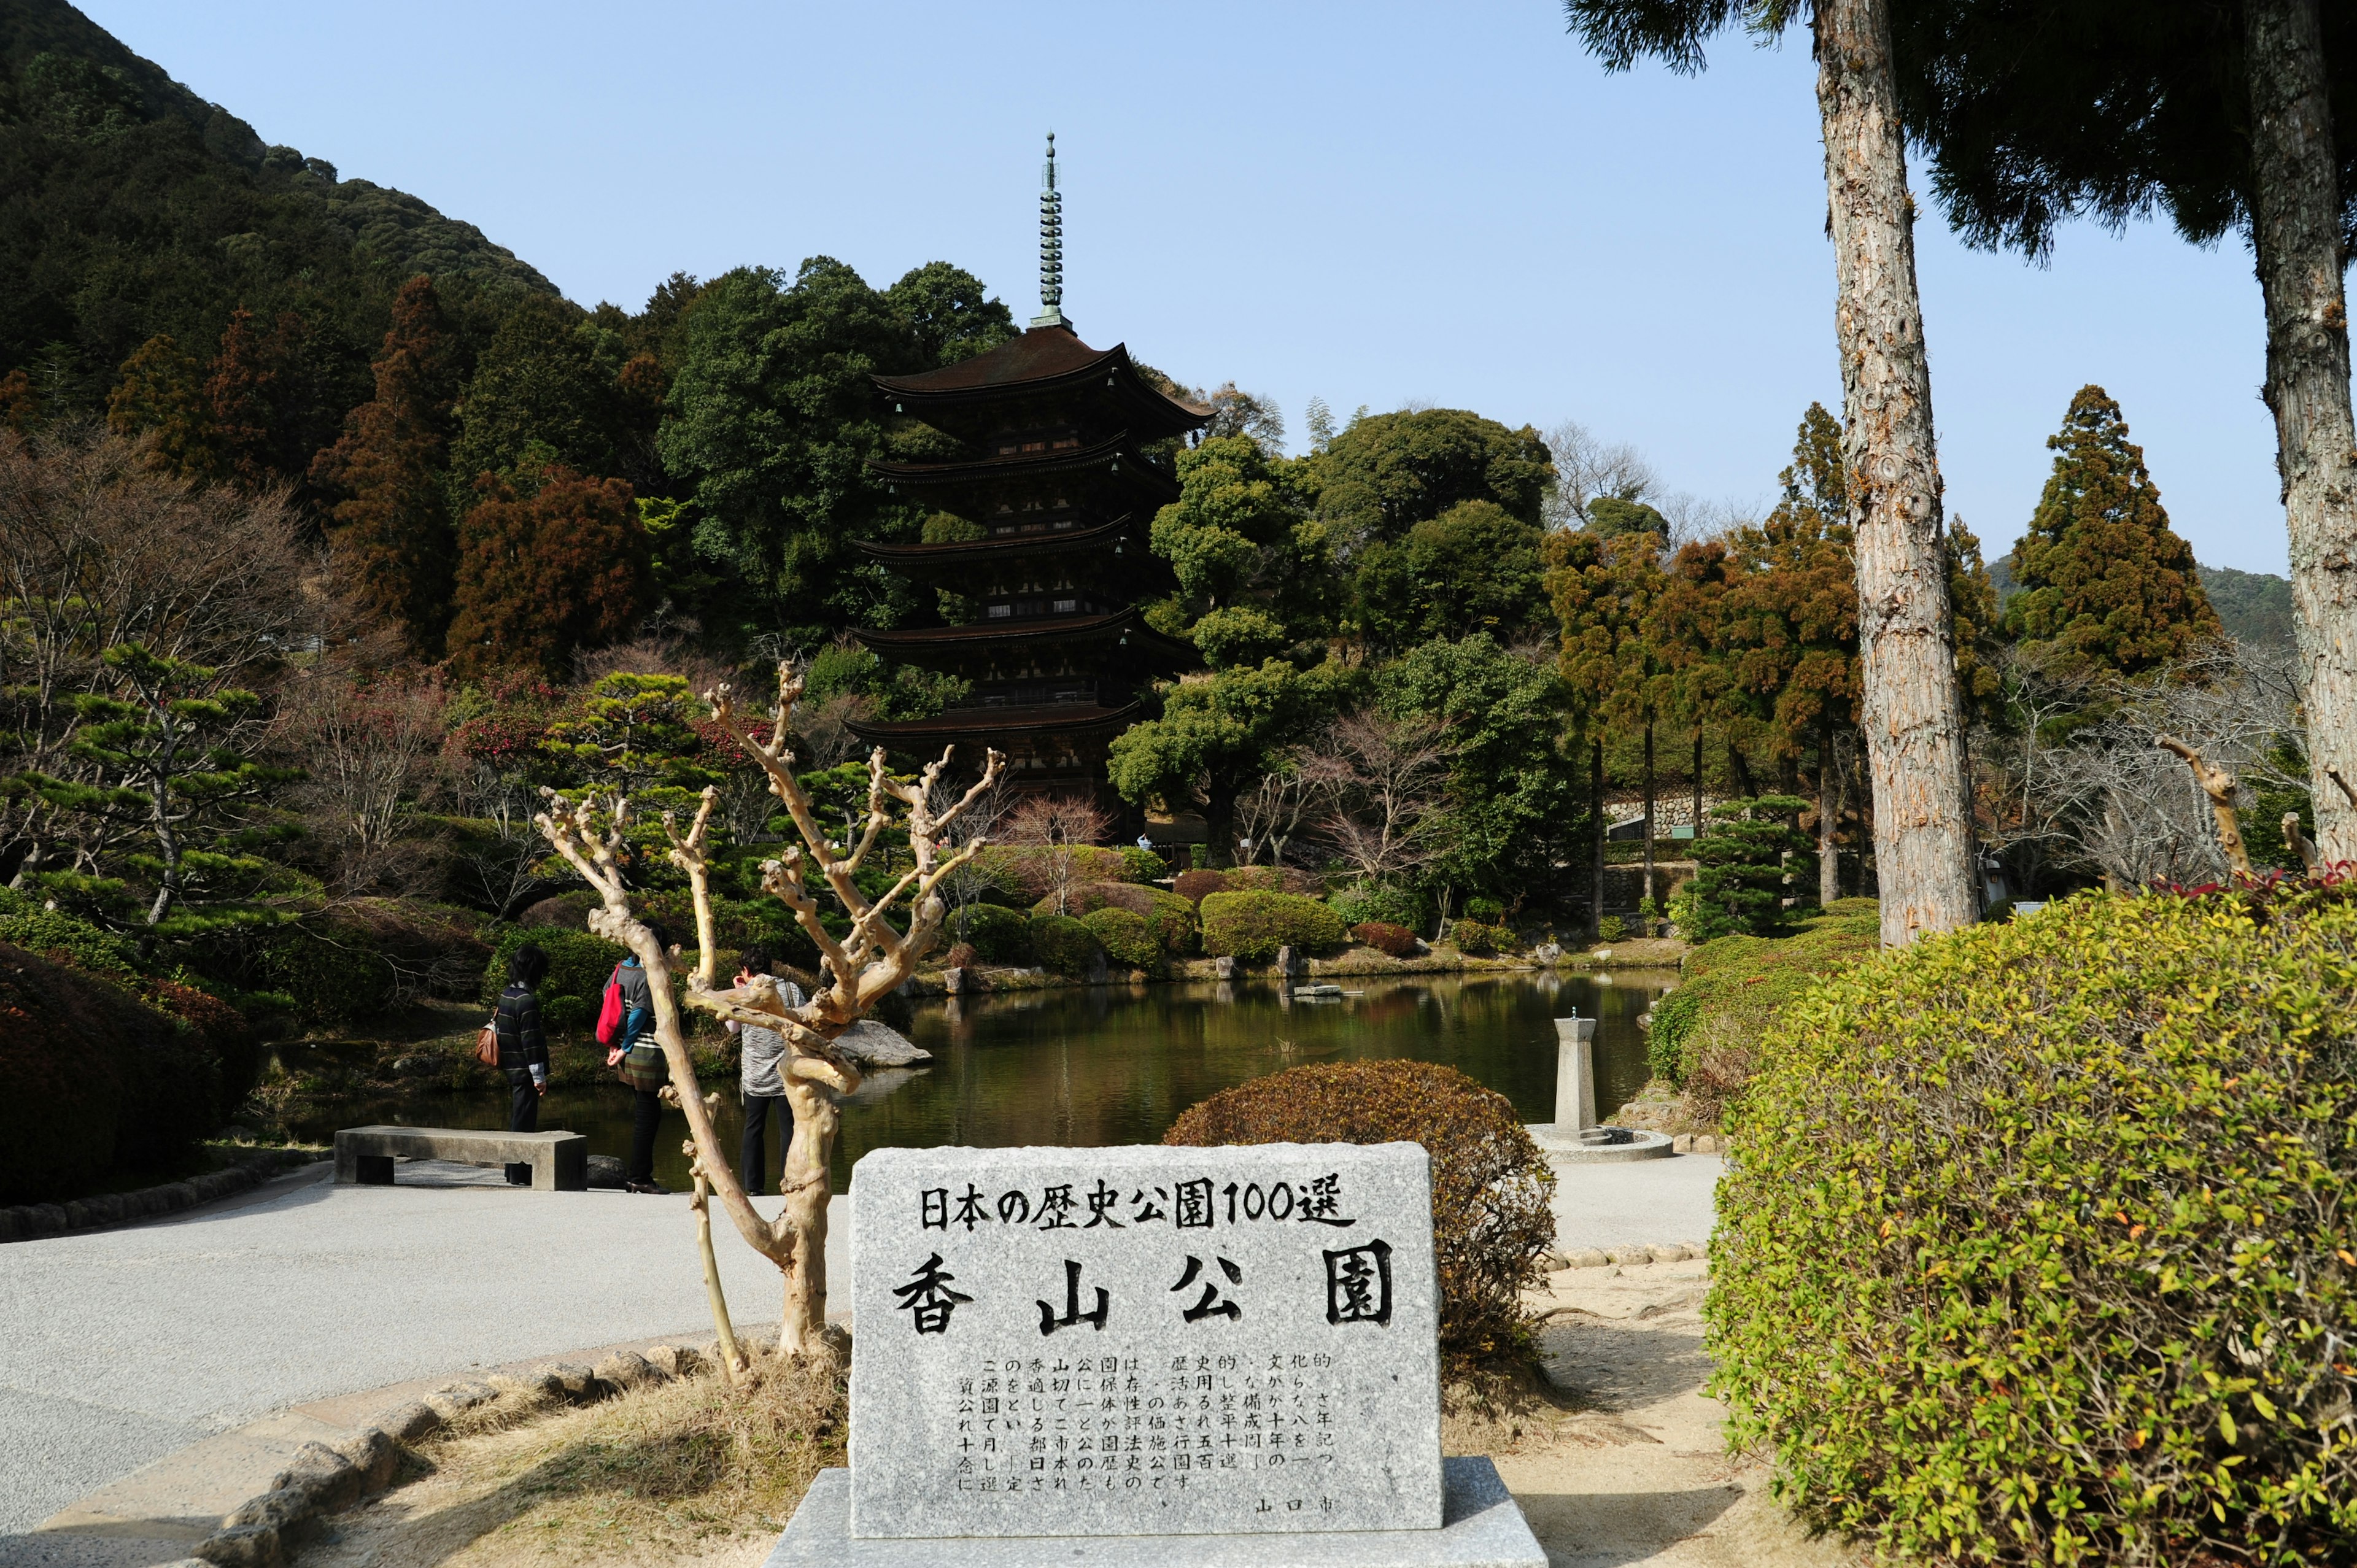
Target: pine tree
x=2107, y=586
x=394, y=533
x=160, y=393
x=541, y=575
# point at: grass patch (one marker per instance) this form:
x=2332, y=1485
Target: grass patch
x=679, y=1471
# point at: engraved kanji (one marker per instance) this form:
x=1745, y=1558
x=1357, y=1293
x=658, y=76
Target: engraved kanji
x=927, y=1297
x=1209, y=1305
x=1359, y=1284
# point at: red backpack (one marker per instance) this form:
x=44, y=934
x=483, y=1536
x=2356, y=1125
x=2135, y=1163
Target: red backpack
x=609, y=1012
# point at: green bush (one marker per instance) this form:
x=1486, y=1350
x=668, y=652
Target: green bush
x=1611, y=929
x=1740, y=887
x=1491, y=1219
x=997, y=935
x=1253, y=925
x=1142, y=866
x=1364, y=901
x=1171, y=918
x=579, y=964
x=2042, y=1247
x=1479, y=941
x=1128, y=941
x=1488, y=912
x=1023, y=871
x=1065, y=946
x=84, y=945
x=334, y=975
x=97, y=1082
x=1705, y=1035
x=1275, y=879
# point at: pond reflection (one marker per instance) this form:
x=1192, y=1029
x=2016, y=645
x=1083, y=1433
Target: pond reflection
x=1094, y=1065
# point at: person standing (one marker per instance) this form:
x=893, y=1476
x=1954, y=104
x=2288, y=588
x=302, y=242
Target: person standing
x=762, y=1078
x=523, y=1048
x=638, y=1059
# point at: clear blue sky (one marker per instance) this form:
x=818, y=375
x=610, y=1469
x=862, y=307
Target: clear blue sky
x=1372, y=203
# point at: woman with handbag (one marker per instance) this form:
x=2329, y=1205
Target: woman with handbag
x=633, y=1052
x=522, y=1048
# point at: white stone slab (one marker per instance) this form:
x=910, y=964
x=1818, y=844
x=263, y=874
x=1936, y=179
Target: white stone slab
x=1144, y=1341
x=1481, y=1527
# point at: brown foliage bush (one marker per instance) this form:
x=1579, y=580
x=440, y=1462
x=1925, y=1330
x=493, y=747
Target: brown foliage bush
x=1397, y=941
x=1275, y=879
x=1491, y=1186
x=1196, y=886
x=543, y=575
x=962, y=956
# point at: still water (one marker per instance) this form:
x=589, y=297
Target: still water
x=1089, y=1067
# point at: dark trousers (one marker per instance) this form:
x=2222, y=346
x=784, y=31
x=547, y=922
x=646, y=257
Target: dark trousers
x=752, y=1157
x=523, y=1116
x=645, y=1109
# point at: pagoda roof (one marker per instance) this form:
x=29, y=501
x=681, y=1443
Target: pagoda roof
x=1056, y=718
x=1003, y=546
x=1105, y=457
x=1127, y=625
x=1044, y=361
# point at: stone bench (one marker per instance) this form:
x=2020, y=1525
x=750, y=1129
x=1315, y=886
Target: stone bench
x=559, y=1161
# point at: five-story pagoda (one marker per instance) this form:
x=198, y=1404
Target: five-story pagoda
x=1060, y=489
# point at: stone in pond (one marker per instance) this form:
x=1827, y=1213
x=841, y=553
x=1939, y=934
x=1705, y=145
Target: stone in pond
x=1144, y=1341
x=871, y=1044
x=605, y=1171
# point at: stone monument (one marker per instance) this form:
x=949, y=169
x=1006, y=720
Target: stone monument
x=1576, y=1132
x=1217, y=1357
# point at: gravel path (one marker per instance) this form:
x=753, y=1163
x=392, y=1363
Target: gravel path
x=126, y=1345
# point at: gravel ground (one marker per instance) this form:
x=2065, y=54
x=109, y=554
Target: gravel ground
x=126, y=1345
x=1640, y=1203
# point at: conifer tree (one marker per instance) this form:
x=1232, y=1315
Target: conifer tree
x=393, y=526
x=2107, y=586
x=160, y=393
x=241, y=391
x=542, y=574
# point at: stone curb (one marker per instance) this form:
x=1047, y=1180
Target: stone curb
x=1700, y=1144
x=259, y=1533
x=1601, y=1257
x=36, y=1221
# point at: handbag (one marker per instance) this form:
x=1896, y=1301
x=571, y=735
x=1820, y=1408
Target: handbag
x=487, y=1042
x=609, y=1009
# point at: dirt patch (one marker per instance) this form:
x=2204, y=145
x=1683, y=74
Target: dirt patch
x=681, y=1473
x=1634, y=1470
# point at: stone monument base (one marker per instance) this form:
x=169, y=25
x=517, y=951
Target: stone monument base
x=1557, y=1143
x=1481, y=1527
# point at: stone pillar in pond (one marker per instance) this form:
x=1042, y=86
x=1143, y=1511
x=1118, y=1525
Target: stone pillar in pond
x=1181, y=1347
x=1574, y=1075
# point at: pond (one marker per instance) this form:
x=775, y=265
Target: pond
x=1094, y=1066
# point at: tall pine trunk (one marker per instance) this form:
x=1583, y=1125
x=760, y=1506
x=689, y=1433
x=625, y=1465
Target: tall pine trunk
x=1913, y=719
x=1596, y=817
x=1697, y=782
x=2296, y=232
x=1649, y=818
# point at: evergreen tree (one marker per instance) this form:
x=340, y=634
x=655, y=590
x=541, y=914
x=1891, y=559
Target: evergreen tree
x=1474, y=568
x=1383, y=474
x=1742, y=864
x=949, y=316
x=242, y=390
x=1609, y=515
x=393, y=532
x=546, y=391
x=161, y=393
x=540, y=575
x=2106, y=584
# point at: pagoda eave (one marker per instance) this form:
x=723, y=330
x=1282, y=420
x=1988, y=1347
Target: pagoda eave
x=1008, y=723
x=1044, y=362
x=1125, y=629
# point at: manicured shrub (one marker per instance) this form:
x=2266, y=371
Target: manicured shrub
x=1743, y=859
x=97, y=1082
x=1198, y=885
x=1024, y=872
x=1275, y=879
x=1253, y=925
x=1479, y=941
x=2042, y=1247
x=1488, y=912
x=75, y=940
x=997, y=935
x=1172, y=919
x=1128, y=941
x=1705, y=1033
x=1491, y=1186
x=221, y=1030
x=1363, y=901
x=579, y=964
x=1065, y=946
x=1142, y=866
x=1611, y=929
x=1385, y=937
x=334, y=975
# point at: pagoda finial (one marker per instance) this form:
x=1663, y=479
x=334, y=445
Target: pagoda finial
x=1051, y=244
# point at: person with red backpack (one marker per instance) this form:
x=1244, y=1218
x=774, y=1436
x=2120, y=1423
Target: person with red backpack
x=626, y=1027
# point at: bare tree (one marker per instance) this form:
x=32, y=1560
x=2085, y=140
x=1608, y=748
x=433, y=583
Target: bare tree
x=858, y=969
x=1587, y=467
x=369, y=755
x=1056, y=827
x=1270, y=814
x=1380, y=778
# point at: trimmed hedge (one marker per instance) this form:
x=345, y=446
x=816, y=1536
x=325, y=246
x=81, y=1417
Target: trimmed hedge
x=2043, y=1244
x=1274, y=880
x=1364, y=902
x=1199, y=885
x=96, y=1081
x=1480, y=939
x=1398, y=941
x=1019, y=871
x=1253, y=925
x=1492, y=1218
x=1172, y=919
x=1065, y=946
x=997, y=934
x=1128, y=941
x=1142, y=866
x=1705, y=1035
x=84, y=946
